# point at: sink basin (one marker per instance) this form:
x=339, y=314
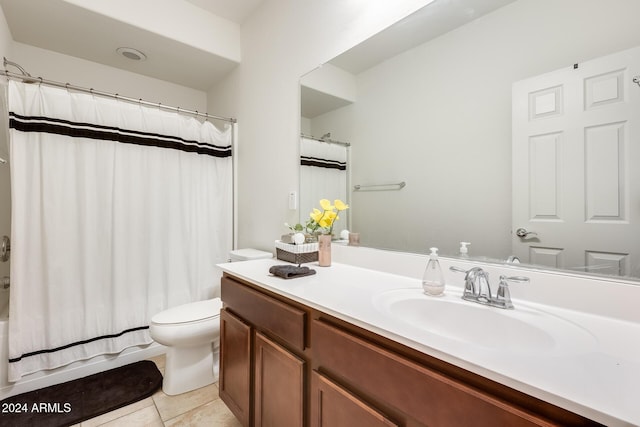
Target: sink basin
x=522, y=329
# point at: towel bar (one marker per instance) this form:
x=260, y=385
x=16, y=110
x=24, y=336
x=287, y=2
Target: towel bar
x=380, y=187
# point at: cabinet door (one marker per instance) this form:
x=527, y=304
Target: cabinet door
x=235, y=365
x=334, y=406
x=279, y=382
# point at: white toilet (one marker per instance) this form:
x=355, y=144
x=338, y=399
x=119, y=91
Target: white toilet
x=192, y=334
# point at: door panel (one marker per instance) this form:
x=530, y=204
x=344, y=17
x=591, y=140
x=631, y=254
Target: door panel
x=576, y=137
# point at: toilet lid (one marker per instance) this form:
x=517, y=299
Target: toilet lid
x=190, y=312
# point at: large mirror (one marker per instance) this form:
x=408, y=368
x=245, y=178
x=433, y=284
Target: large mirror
x=472, y=119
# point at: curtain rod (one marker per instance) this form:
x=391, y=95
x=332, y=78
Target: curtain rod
x=328, y=141
x=40, y=80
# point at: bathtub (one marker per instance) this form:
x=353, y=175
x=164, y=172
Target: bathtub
x=4, y=305
x=4, y=332
x=66, y=373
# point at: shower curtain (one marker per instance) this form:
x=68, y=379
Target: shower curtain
x=119, y=211
x=323, y=175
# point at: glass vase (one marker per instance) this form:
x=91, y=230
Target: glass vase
x=324, y=250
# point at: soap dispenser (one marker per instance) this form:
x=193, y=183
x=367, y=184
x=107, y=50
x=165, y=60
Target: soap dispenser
x=464, y=250
x=433, y=280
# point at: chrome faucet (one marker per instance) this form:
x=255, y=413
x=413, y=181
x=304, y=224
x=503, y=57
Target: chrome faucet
x=477, y=288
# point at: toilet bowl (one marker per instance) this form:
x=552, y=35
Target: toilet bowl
x=192, y=334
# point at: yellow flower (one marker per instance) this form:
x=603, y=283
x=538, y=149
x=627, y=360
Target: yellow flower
x=326, y=205
x=325, y=222
x=322, y=220
x=316, y=215
x=340, y=205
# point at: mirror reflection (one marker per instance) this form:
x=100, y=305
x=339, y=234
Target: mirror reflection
x=323, y=174
x=498, y=116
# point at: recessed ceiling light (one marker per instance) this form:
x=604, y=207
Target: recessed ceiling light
x=131, y=53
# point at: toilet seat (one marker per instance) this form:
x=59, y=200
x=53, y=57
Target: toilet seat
x=190, y=312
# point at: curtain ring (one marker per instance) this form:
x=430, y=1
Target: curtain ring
x=116, y=96
x=40, y=82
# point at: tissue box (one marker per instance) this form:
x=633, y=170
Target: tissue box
x=297, y=254
x=287, y=238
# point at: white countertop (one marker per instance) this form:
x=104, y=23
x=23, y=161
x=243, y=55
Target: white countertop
x=601, y=382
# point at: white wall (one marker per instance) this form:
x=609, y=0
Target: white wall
x=305, y=126
x=439, y=118
x=5, y=183
x=64, y=68
x=333, y=81
x=222, y=98
x=281, y=41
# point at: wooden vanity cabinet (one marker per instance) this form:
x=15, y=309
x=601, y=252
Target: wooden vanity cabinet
x=262, y=362
x=286, y=364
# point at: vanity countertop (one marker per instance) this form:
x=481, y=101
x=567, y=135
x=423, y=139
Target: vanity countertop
x=600, y=382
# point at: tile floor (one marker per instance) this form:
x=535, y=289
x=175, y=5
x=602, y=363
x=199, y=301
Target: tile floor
x=201, y=407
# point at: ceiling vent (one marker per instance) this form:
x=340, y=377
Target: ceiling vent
x=131, y=53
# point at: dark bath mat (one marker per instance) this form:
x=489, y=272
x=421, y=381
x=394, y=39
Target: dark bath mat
x=78, y=400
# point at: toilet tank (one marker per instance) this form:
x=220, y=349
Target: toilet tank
x=248, y=254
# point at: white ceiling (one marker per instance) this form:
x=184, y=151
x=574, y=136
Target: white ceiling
x=433, y=20
x=233, y=10
x=315, y=103
x=64, y=27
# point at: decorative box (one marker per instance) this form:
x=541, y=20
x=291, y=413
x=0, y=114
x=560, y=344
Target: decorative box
x=297, y=254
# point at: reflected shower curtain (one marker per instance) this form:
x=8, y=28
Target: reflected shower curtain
x=119, y=211
x=323, y=175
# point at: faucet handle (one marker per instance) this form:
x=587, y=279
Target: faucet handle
x=476, y=283
x=468, y=286
x=503, y=296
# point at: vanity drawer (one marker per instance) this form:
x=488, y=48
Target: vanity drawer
x=427, y=395
x=334, y=406
x=265, y=313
